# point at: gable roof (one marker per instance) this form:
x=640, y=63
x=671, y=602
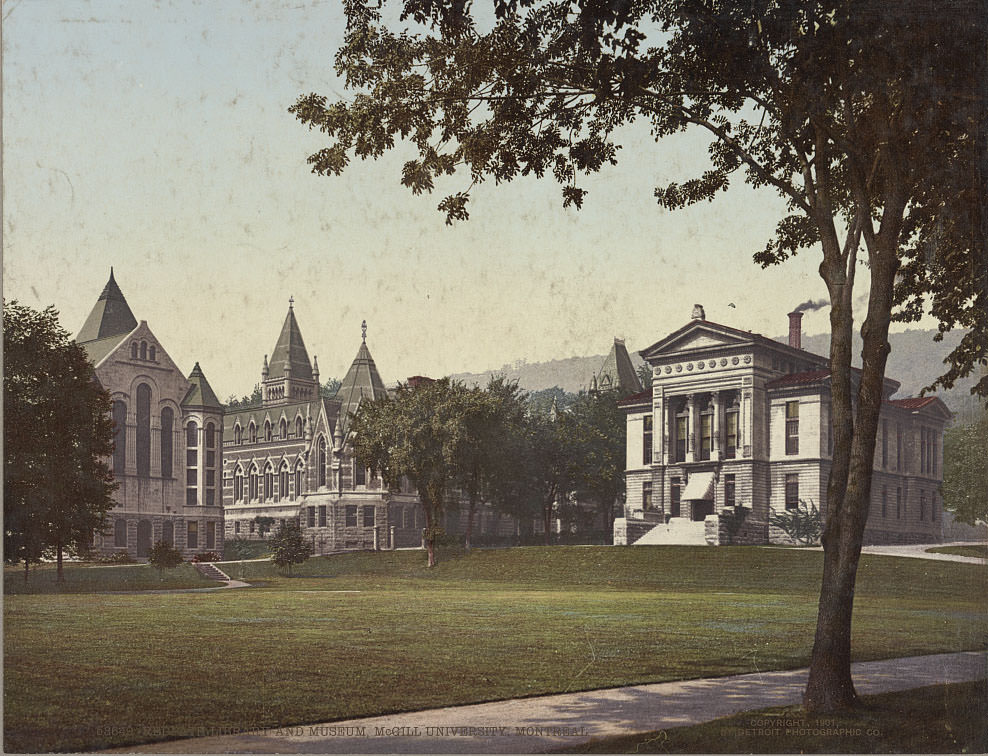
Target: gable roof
x=200, y=393
x=719, y=334
x=111, y=316
x=98, y=350
x=290, y=348
x=617, y=372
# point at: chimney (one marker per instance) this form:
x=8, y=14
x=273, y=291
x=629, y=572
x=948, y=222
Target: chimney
x=795, y=325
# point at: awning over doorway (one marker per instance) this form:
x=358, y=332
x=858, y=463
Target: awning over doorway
x=700, y=486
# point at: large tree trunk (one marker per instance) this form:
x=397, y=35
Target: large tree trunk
x=830, y=686
x=59, y=574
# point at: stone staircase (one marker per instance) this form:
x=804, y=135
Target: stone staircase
x=678, y=531
x=211, y=571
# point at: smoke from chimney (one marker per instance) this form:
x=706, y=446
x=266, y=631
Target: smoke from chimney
x=795, y=327
x=809, y=305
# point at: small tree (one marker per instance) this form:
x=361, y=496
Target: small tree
x=264, y=524
x=164, y=556
x=964, y=490
x=288, y=547
x=804, y=524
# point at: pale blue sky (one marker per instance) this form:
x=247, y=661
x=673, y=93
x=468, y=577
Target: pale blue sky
x=155, y=137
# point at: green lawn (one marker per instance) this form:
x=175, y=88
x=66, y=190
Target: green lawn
x=979, y=550
x=95, y=578
x=937, y=719
x=90, y=671
x=255, y=550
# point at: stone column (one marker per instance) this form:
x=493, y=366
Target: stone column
x=745, y=430
x=716, y=429
x=691, y=430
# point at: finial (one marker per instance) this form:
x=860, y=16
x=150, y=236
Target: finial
x=698, y=313
x=363, y=330
x=291, y=302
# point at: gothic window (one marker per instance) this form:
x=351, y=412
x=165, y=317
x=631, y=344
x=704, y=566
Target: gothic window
x=144, y=350
x=252, y=483
x=167, y=424
x=267, y=430
x=192, y=435
x=268, y=483
x=359, y=474
x=792, y=491
x=322, y=462
x=647, y=440
x=283, y=482
x=298, y=427
x=922, y=505
x=119, y=438
x=298, y=481
x=238, y=486
x=238, y=434
x=143, y=431
x=283, y=428
x=898, y=447
x=792, y=427
x=133, y=351
x=120, y=533
x=252, y=432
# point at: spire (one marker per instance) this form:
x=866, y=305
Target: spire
x=290, y=349
x=111, y=315
x=361, y=381
x=618, y=372
x=200, y=393
x=363, y=331
x=265, y=370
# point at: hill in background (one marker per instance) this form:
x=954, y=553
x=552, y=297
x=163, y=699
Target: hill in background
x=916, y=361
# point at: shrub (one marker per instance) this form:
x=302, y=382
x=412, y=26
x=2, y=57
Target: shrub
x=116, y=557
x=289, y=547
x=164, y=556
x=206, y=556
x=803, y=525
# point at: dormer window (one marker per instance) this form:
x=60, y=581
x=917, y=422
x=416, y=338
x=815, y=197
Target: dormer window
x=267, y=430
x=252, y=432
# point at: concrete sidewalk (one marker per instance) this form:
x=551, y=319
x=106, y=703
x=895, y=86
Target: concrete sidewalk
x=533, y=725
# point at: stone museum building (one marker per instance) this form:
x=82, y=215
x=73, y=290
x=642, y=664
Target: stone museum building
x=168, y=455
x=737, y=426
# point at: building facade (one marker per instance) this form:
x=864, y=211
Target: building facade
x=737, y=426
x=168, y=437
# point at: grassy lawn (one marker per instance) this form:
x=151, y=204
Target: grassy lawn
x=979, y=550
x=938, y=719
x=255, y=550
x=90, y=671
x=93, y=578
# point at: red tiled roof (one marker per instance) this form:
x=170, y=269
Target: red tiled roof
x=913, y=402
x=799, y=379
x=638, y=398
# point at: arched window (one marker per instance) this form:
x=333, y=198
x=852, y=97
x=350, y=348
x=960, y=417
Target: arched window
x=119, y=438
x=238, y=434
x=152, y=354
x=322, y=462
x=120, y=533
x=252, y=432
x=283, y=482
x=267, y=430
x=238, y=485
x=252, y=483
x=298, y=427
x=210, y=439
x=191, y=463
x=167, y=425
x=283, y=428
x=298, y=481
x=143, y=431
x=133, y=351
x=144, y=350
x=359, y=474
x=268, y=483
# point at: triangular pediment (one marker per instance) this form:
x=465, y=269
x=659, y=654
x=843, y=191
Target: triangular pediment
x=699, y=334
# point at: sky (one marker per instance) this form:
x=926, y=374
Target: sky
x=154, y=137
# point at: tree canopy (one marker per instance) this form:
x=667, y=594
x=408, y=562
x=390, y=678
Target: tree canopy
x=58, y=436
x=865, y=116
x=964, y=490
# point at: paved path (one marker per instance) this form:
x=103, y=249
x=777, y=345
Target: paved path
x=919, y=551
x=533, y=725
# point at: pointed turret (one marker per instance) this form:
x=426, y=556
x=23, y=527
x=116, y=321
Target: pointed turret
x=290, y=350
x=362, y=380
x=110, y=317
x=200, y=393
x=617, y=372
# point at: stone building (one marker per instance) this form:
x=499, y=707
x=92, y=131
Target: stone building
x=737, y=423
x=168, y=437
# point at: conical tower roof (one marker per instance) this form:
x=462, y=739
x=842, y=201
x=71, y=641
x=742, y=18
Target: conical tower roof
x=362, y=380
x=200, y=393
x=617, y=372
x=110, y=317
x=291, y=349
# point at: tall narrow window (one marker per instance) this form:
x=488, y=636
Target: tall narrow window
x=283, y=482
x=252, y=432
x=144, y=350
x=119, y=438
x=322, y=515
x=359, y=474
x=682, y=427
x=168, y=533
x=792, y=491
x=238, y=434
x=351, y=515
x=268, y=483
x=192, y=535
x=298, y=427
x=252, y=483
x=152, y=353
x=647, y=440
x=191, y=463
x=298, y=480
x=731, y=421
x=792, y=427
x=322, y=463
x=283, y=429
x=729, y=497
x=133, y=351
x=210, y=439
x=166, y=441
x=674, y=493
x=238, y=486
x=120, y=533
x=706, y=434
x=143, y=431
x=267, y=430
x=210, y=535
x=368, y=517
x=646, y=495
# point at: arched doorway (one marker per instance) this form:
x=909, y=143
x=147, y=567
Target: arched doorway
x=143, y=538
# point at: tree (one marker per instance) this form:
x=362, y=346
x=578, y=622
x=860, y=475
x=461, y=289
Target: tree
x=289, y=547
x=803, y=525
x=865, y=116
x=964, y=490
x=599, y=430
x=416, y=433
x=328, y=389
x=264, y=524
x=253, y=399
x=58, y=436
x=164, y=556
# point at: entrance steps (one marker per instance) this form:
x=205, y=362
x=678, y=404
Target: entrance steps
x=678, y=531
x=211, y=571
